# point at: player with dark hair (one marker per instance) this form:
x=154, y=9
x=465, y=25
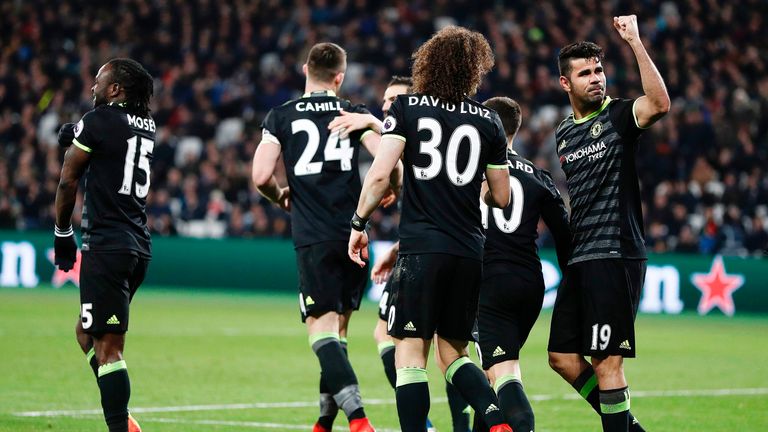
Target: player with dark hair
x=323, y=182
x=113, y=146
x=383, y=266
x=597, y=301
x=447, y=142
x=512, y=291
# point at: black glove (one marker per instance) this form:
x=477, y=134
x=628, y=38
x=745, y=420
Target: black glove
x=66, y=134
x=64, y=248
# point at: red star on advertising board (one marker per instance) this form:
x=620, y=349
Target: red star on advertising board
x=717, y=288
x=61, y=277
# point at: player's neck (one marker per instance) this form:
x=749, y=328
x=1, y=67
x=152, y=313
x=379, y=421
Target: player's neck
x=312, y=87
x=581, y=110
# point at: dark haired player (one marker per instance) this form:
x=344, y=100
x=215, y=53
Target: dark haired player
x=512, y=291
x=447, y=142
x=597, y=301
x=323, y=184
x=113, y=146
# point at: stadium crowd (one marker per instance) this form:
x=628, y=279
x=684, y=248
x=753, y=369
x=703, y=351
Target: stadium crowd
x=220, y=66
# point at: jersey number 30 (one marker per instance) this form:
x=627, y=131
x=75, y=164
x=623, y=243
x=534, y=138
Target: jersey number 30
x=147, y=145
x=430, y=148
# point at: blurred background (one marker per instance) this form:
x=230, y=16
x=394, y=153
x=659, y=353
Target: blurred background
x=219, y=66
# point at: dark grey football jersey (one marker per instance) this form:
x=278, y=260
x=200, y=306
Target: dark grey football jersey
x=597, y=154
x=447, y=149
x=117, y=180
x=321, y=166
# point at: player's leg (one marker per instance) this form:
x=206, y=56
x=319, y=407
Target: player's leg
x=507, y=381
x=614, y=393
x=459, y=407
x=384, y=343
x=85, y=341
x=328, y=408
x=412, y=391
x=460, y=281
x=107, y=285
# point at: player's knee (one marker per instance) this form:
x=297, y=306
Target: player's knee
x=612, y=366
x=558, y=362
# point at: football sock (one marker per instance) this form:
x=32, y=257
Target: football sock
x=412, y=397
x=586, y=385
x=478, y=425
x=115, y=392
x=328, y=407
x=614, y=406
x=474, y=388
x=387, y=353
x=459, y=408
x=93, y=362
x=514, y=404
x=338, y=374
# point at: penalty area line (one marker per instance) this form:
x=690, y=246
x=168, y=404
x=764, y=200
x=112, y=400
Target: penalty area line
x=391, y=401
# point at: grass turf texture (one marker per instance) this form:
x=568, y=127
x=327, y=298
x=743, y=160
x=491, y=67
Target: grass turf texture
x=207, y=348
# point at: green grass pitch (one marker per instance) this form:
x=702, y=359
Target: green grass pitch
x=241, y=362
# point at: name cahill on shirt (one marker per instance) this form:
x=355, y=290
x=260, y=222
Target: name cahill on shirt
x=318, y=106
x=464, y=108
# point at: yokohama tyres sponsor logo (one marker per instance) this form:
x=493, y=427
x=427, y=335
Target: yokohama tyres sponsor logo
x=594, y=151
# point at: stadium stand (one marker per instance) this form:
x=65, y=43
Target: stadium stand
x=220, y=66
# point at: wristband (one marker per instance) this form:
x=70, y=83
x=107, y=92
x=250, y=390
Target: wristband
x=58, y=232
x=357, y=223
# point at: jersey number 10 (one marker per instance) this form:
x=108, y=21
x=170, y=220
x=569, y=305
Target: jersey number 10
x=147, y=145
x=505, y=225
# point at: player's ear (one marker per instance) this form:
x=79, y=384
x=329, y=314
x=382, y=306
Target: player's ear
x=114, y=89
x=338, y=79
x=565, y=84
x=304, y=70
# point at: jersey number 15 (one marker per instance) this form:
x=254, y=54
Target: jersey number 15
x=147, y=145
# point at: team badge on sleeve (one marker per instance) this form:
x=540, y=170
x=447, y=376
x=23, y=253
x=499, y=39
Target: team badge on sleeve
x=78, y=128
x=389, y=124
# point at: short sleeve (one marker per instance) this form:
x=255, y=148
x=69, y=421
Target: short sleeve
x=623, y=118
x=361, y=109
x=393, y=126
x=269, y=130
x=87, y=135
x=497, y=150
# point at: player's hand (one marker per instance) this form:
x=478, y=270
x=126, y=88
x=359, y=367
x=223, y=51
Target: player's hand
x=66, y=135
x=389, y=198
x=627, y=27
x=347, y=122
x=358, y=247
x=284, y=200
x=64, y=248
x=384, y=264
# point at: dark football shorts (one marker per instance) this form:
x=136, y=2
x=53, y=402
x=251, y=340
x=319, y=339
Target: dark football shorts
x=510, y=302
x=108, y=282
x=595, y=309
x=328, y=280
x=434, y=293
x=384, y=301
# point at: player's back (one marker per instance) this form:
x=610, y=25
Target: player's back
x=118, y=179
x=447, y=149
x=511, y=232
x=321, y=166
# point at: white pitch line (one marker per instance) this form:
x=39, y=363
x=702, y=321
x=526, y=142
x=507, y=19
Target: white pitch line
x=240, y=423
x=273, y=405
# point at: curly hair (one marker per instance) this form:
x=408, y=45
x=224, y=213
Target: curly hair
x=577, y=50
x=137, y=83
x=451, y=64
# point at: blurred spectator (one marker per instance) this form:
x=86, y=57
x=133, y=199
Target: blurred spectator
x=220, y=66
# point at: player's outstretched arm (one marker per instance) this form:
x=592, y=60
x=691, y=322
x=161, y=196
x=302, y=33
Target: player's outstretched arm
x=655, y=103
x=348, y=122
x=262, y=174
x=65, y=248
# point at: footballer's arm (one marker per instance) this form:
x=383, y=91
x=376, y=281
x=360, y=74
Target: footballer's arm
x=372, y=142
x=350, y=122
x=262, y=173
x=654, y=104
x=75, y=163
x=495, y=191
